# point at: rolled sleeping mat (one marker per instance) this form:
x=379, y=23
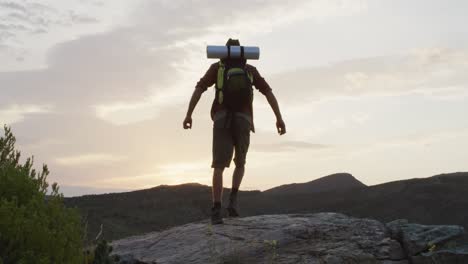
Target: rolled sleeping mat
x=222, y=52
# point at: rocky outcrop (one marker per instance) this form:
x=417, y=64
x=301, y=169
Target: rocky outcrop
x=429, y=244
x=300, y=238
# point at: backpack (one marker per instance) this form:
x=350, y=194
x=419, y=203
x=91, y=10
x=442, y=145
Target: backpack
x=234, y=85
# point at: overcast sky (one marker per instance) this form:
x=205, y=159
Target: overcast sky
x=98, y=89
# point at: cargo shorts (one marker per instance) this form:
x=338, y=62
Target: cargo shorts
x=231, y=135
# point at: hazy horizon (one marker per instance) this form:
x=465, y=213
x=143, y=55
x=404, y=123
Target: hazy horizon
x=98, y=90
x=74, y=191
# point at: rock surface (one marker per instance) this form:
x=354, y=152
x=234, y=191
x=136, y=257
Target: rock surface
x=429, y=244
x=300, y=238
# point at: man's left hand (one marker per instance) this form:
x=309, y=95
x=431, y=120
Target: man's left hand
x=188, y=122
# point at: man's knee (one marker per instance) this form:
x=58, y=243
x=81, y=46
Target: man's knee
x=218, y=171
x=239, y=162
x=240, y=167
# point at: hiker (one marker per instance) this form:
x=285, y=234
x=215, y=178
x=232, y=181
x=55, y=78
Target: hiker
x=232, y=116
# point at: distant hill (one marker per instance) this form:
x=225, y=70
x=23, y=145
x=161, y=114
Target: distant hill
x=441, y=199
x=334, y=182
x=129, y=213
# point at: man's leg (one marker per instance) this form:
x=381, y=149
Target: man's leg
x=222, y=154
x=236, y=181
x=217, y=189
x=217, y=192
x=237, y=177
x=241, y=142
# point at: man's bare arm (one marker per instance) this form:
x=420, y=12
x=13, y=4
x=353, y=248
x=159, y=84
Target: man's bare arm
x=193, y=102
x=275, y=106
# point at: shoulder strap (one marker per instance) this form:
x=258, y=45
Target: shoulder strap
x=249, y=74
x=220, y=81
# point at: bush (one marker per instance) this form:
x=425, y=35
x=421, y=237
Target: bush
x=35, y=227
x=102, y=254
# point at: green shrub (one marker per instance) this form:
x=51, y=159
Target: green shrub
x=35, y=227
x=102, y=254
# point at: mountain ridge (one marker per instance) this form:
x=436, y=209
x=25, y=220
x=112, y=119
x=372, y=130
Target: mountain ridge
x=439, y=199
x=336, y=181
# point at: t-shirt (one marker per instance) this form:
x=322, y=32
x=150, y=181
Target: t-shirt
x=211, y=77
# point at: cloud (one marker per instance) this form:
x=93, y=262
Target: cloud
x=145, y=145
x=126, y=113
x=17, y=113
x=360, y=118
x=13, y=6
x=288, y=146
x=40, y=144
x=406, y=142
x=94, y=70
x=434, y=71
x=33, y=17
x=134, y=65
x=82, y=18
x=447, y=93
x=4, y=35
x=266, y=16
x=182, y=168
x=170, y=173
x=30, y=28
x=89, y=159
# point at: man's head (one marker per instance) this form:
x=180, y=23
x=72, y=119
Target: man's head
x=233, y=42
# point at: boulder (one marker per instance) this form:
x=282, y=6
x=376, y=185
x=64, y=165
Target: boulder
x=418, y=238
x=294, y=238
x=454, y=256
x=429, y=243
x=306, y=238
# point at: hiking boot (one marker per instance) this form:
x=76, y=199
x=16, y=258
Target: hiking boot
x=232, y=212
x=216, y=217
x=232, y=206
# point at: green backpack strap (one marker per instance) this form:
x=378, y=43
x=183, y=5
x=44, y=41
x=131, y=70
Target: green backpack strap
x=250, y=75
x=220, y=81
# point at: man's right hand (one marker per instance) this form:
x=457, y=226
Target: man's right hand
x=188, y=122
x=281, y=127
